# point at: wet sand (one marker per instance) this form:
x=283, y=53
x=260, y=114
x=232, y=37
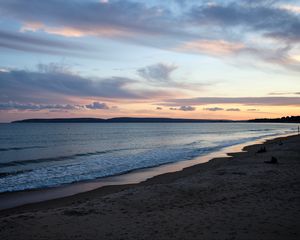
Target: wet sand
x=227, y=198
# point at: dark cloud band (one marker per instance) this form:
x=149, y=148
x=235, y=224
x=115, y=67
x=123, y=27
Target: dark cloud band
x=54, y=83
x=266, y=101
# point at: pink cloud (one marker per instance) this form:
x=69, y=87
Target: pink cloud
x=212, y=47
x=73, y=32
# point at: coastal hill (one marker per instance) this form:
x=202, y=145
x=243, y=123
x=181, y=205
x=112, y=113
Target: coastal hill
x=291, y=119
x=116, y=120
x=288, y=119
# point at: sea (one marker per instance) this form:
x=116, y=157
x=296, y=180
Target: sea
x=44, y=155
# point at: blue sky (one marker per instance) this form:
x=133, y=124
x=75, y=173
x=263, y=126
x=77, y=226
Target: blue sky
x=193, y=59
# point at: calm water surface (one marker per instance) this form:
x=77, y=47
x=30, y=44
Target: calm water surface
x=46, y=155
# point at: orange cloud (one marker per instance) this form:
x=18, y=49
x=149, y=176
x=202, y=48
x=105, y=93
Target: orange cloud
x=296, y=57
x=291, y=8
x=72, y=32
x=63, y=31
x=212, y=47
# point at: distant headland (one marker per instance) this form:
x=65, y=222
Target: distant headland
x=115, y=120
x=288, y=119
x=291, y=119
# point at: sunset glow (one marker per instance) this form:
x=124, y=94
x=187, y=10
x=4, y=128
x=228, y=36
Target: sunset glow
x=184, y=59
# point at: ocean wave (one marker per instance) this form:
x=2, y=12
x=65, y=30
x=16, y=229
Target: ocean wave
x=19, y=148
x=96, y=165
x=20, y=175
x=261, y=130
x=56, y=159
x=6, y=174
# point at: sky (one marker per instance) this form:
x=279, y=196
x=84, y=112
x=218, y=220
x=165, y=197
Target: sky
x=198, y=59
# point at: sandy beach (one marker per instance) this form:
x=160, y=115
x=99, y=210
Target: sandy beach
x=241, y=197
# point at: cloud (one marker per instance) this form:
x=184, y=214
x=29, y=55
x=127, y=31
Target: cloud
x=183, y=108
x=264, y=101
x=214, y=109
x=290, y=7
x=233, y=109
x=38, y=107
x=97, y=105
x=51, y=107
x=158, y=108
x=53, y=83
x=268, y=19
x=158, y=72
x=54, y=68
x=70, y=31
x=213, y=47
x=78, y=18
x=64, y=31
x=4, y=69
x=219, y=28
x=279, y=55
x=187, y=108
x=94, y=17
x=28, y=43
x=284, y=93
x=252, y=110
x=270, y=32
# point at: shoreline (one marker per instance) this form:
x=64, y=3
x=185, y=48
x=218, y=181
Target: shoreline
x=19, y=199
x=238, y=198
